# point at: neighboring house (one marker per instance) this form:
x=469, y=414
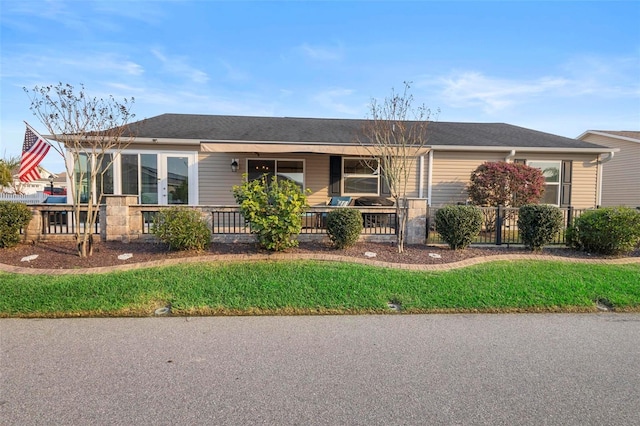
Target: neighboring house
x=33, y=187
x=621, y=176
x=196, y=159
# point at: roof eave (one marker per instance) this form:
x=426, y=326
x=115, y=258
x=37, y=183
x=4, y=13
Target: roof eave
x=602, y=150
x=608, y=135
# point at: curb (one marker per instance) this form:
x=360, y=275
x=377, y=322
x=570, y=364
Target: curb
x=319, y=257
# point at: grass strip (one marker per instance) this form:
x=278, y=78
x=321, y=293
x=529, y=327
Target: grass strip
x=312, y=287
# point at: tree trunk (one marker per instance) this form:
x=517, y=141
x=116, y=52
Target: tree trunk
x=401, y=213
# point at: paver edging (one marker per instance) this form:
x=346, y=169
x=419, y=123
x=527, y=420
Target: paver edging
x=320, y=257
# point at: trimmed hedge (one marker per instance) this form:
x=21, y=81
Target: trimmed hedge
x=539, y=224
x=344, y=227
x=609, y=230
x=13, y=216
x=459, y=225
x=182, y=229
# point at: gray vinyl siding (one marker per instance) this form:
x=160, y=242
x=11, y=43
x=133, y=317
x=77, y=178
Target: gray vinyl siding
x=621, y=175
x=451, y=173
x=216, y=179
x=584, y=182
x=452, y=170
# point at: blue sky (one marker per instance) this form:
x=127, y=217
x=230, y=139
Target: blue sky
x=559, y=67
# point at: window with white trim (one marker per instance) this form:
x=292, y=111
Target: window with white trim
x=551, y=172
x=360, y=176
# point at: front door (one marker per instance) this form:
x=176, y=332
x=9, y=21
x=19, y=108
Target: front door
x=174, y=179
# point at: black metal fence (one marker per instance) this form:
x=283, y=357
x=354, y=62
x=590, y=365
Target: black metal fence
x=313, y=222
x=500, y=226
x=62, y=221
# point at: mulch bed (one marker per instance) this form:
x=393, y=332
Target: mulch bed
x=63, y=255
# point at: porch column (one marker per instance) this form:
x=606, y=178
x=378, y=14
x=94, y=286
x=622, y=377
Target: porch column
x=416, y=221
x=114, y=217
x=33, y=230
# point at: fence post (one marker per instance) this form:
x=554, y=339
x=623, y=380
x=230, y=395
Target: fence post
x=569, y=217
x=428, y=224
x=499, y=220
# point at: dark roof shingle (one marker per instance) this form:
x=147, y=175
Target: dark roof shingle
x=328, y=130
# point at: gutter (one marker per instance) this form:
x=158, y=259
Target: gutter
x=600, y=173
x=522, y=149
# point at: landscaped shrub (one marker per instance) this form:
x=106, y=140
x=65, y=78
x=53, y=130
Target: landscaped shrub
x=13, y=216
x=274, y=209
x=610, y=230
x=458, y=225
x=182, y=229
x=538, y=224
x=344, y=227
x=505, y=184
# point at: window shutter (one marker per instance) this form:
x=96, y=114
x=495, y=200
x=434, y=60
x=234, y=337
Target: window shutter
x=565, y=190
x=335, y=174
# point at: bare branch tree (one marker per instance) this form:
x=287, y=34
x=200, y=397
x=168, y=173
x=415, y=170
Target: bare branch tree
x=395, y=135
x=92, y=131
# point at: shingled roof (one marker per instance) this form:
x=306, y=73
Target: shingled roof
x=211, y=128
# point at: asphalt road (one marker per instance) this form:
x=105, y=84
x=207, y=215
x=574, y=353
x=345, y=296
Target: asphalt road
x=357, y=370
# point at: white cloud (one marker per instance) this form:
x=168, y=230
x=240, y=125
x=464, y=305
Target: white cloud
x=471, y=88
x=58, y=66
x=322, y=53
x=179, y=66
x=590, y=77
x=334, y=100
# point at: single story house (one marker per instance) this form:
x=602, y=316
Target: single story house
x=196, y=159
x=621, y=176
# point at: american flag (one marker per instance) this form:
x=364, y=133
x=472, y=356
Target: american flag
x=33, y=152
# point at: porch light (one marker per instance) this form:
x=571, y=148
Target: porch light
x=234, y=165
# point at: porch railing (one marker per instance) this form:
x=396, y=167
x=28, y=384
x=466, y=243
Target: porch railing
x=61, y=220
x=500, y=226
x=229, y=221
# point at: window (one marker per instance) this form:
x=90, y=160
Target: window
x=82, y=175
x=551, y=172
x=104, y=181
x=139, y=176
x=129, y=173
x=360, y=176
x=292, y=170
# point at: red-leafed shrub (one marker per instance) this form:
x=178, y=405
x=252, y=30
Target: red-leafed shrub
x=505, y=184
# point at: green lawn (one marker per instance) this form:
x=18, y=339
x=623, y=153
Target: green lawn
x=311, y=287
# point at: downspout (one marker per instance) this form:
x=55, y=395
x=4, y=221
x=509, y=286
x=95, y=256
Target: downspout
x=421, y=184
x=600, y=173
x=510, y=156
x=430, y=178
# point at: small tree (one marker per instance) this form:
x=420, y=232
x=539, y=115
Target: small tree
x=9, y=166
x=505, y=184
x=93, y=131
x=274, y=210
x=395, y=142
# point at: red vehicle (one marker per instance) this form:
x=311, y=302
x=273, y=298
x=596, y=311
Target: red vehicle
x=56, y=191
